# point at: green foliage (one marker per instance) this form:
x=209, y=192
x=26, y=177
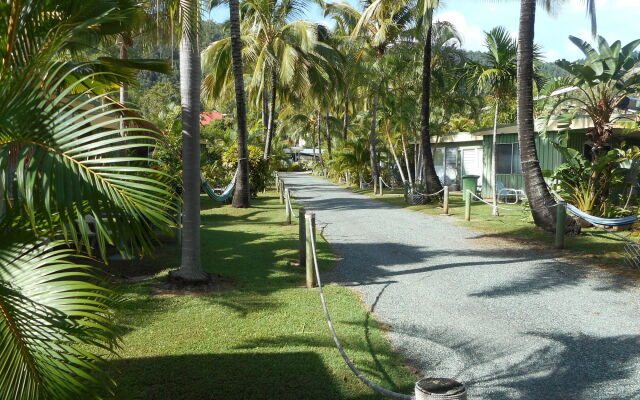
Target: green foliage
x=595, y=87
x=259, y=170
x=63, y=158
x=595, y=186
x=50, y=306
x=158, y=104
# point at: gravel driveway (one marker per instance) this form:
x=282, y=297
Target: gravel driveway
x=510, y=323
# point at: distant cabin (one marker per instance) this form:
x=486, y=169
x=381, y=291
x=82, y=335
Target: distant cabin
x=469, y=153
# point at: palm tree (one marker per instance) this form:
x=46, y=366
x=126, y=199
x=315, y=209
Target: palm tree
x=191, y=267
x=542, y=203
x=278, y=50
x=242, y=191
x=59, y=162
x=496, y=75
x=381, y=24
x=424, y=33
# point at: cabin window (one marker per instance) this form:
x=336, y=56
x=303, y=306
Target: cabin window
x=508, y=159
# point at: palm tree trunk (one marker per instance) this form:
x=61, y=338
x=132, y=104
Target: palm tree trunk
x=243, y=191
x=416, y=175
x=345, y=122
x=272, y=114
x=494, y=157
x=265, y=112
x=430, y=176
x=392, y=148
x=319, y=133
x=544, y=215
x=406, y=158
x=375, y=173
x=191, y=268
x=326, y=122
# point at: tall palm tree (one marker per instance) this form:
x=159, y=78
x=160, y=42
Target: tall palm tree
x=191, y=267
x=242, y=191
x=276, y=48
x=541, y=201
x=381, y=24
x=496, y=75
x=424, y=33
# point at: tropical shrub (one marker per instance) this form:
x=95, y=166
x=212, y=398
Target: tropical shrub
x=259, y=169
x=601, y=187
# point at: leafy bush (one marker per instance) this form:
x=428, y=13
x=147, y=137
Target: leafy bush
x=601, y=187
x=259, y=171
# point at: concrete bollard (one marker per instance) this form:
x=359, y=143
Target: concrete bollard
x=287, y=205
x=445, y=201
x=561, y=223
x=302, y=234
x=440, y=389
x=380, y=184
x=310, y=222
x=467, y=205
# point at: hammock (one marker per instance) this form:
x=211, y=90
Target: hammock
x=602, y=221
x=226, y=193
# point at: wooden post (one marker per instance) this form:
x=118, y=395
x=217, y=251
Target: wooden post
x=467, y=205
x=302, y=233
x=310, y=222
x=445, y=201
x=281, y=192
x=380, y=184
x=277, y=181
x=561, y=223
x=287, y=205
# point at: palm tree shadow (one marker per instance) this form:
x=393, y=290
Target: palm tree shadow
x=226, y=376
x=568, y=367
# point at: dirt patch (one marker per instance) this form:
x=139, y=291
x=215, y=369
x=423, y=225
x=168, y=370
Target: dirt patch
x=174, y=287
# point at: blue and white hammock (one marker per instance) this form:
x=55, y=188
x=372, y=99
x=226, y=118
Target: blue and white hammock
x=630, y=220
x=602, y=221
x=226, y=193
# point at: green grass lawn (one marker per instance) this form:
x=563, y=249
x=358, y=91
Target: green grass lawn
x=594, y=245
x=264, y=338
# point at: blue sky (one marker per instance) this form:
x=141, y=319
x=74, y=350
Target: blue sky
x=617, y=20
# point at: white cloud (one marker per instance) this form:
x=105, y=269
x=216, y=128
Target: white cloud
x=472, y=35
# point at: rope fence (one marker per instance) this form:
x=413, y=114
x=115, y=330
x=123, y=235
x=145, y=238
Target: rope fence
x=345, y=357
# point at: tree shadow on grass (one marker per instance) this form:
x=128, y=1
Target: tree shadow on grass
x=235, y=376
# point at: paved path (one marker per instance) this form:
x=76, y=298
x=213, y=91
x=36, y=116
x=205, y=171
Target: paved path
x=510, y=323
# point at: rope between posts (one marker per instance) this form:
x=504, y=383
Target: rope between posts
x=345, y=357
x=423, y=194
x=615, y=234
x=513, y=209
x=387, y=185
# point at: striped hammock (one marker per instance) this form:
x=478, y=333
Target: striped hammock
x=602, y=221
x=226, y=193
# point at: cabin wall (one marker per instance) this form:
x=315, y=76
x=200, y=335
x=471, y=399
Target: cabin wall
x=549, y=157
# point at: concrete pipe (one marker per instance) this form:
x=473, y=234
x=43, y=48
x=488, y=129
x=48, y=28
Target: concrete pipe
x=440, y=389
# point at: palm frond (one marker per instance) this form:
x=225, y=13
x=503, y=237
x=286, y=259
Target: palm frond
x=48, y=307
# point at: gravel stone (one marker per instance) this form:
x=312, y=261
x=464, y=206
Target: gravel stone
x=509, y=322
